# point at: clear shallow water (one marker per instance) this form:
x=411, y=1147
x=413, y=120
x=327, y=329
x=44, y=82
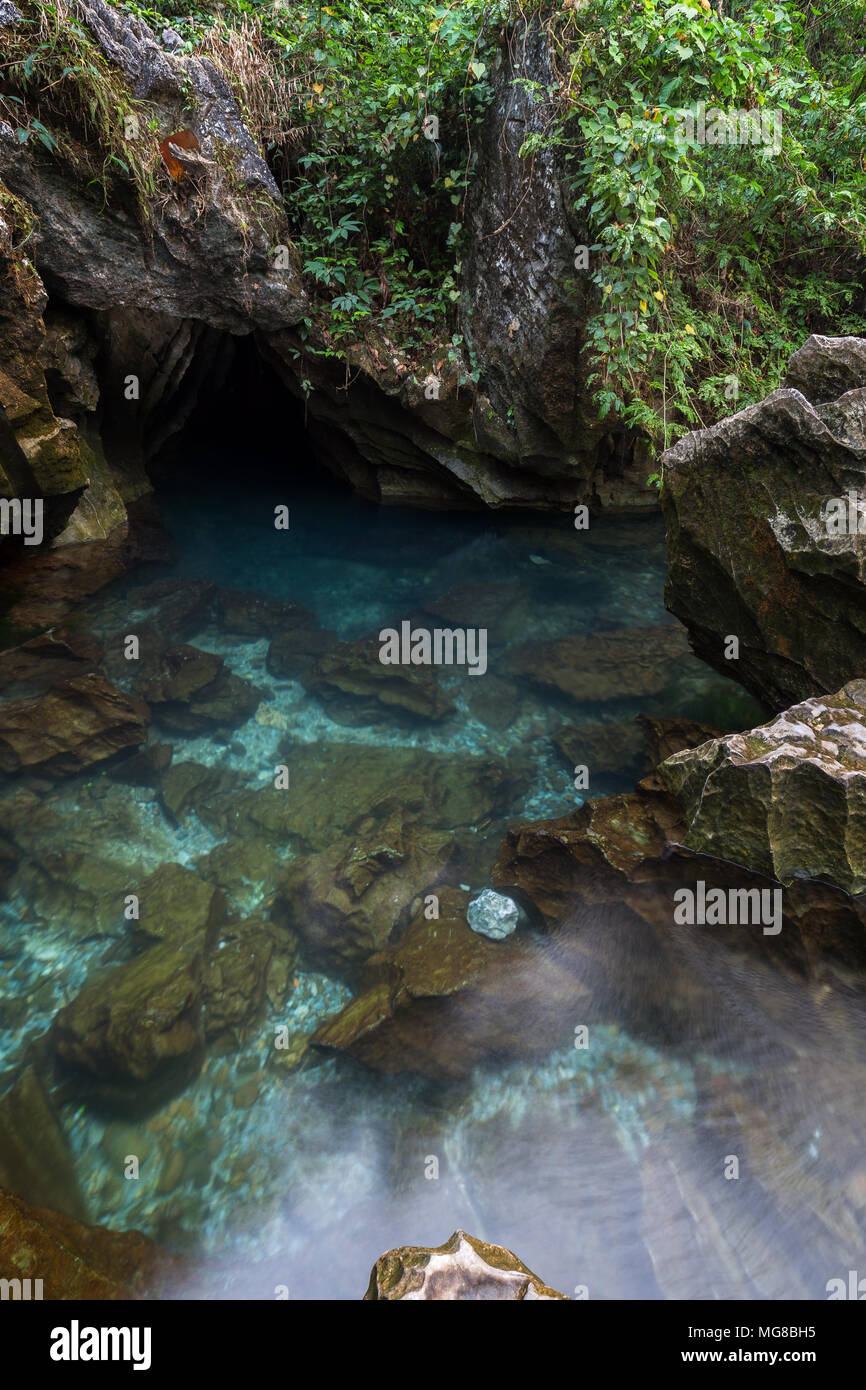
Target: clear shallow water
x=600, y=1168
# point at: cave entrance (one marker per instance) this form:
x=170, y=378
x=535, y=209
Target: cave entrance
x=245, y=429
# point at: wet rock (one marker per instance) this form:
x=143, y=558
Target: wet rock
x=753, y=552
x=139, y=1022
x=664, y=737
x=618, y=665
x=193, y=691
x=824, y=369
x=216, y=266
x=249, y=614
x=295, y=651
x=244, y=865
x=347, y=901
x=493, y=915
x=75, y=1261
x=355, y=685
x=252, y=961
x=35, y=1162
x=45, y=660
x=463, y=1268
x=178, y=907
x=787, y=799
x=78, y=723
x=175, y=609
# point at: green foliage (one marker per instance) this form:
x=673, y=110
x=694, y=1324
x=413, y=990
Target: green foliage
x=713, y=262
x=371, y=143
x=60, y=91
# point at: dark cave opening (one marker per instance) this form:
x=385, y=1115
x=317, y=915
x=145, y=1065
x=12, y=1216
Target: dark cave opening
x=244, y=427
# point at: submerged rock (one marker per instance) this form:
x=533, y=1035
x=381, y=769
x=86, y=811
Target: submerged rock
x=787, y=799
x=357, y=687
x=35, y=1161
x=492, y=914
x=755, y=551
x=178, y=907
x=293, y=652
x=140, y=1022
x=618, y=747
x=43, y=661
x=78, y=723
x=463, y=1268
x=191, y=691
x=248, y=614
x=252, y=962
x=618, y=665
x=346, y=901
x=443, y=998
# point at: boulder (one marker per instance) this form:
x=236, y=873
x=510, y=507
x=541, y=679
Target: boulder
x=463, y=1268
x=443, y=998
x=787, y=799
x=296, y=650
x=74, y=726
x=824, y=369
x=757, y=548
x=618, y=747
x=45, y=660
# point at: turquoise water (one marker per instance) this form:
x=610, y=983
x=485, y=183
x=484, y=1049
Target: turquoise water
x=593, y=1166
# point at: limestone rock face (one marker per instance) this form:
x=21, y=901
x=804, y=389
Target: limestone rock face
x=463, y=1268
x=210, y=254
x=77, y=723
x=77, y=1261
x=787, y=799
x=526, y=433
x=762, y=543
x=824, y=369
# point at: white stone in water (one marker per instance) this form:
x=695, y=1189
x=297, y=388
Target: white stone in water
x=492, y=914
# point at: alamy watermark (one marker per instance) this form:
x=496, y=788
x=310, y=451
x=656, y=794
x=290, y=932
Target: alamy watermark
x=732, y=907
x=22, y=516
x=845, y=516
x=714, y=126
x=440, y=647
